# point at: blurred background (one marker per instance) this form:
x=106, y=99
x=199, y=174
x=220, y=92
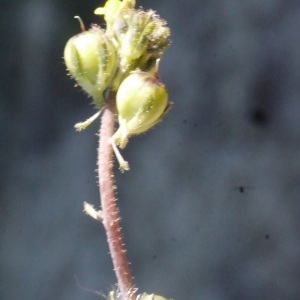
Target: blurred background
x=210, y=208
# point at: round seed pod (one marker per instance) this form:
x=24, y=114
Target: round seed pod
x=141, y=100
x=91, y=60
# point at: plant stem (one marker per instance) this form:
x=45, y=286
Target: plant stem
x=108, y=202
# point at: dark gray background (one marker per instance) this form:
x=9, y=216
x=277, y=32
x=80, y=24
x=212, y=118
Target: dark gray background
x=211, y=206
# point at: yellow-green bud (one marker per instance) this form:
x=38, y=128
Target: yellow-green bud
x=134, y=42
x=91, y=59
x=146, y=37
x=112, y=8
x=141, y=101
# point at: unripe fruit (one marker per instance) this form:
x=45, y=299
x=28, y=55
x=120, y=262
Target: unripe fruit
x=141, y=101
x=91, y=59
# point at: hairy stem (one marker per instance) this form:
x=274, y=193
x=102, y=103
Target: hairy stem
x=108, y=202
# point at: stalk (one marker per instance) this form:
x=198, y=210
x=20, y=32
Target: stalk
x=109, y=209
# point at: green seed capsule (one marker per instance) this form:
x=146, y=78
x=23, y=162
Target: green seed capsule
x=141, y=100
x=92, y=60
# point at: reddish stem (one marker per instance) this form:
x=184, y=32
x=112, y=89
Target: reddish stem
x=108, y=202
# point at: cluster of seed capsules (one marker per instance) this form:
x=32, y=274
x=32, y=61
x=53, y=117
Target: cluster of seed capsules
x=122, y=58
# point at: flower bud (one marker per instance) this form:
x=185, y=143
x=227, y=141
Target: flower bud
x=134, y=42
x=146, y=37
x=112, y=8
x=141, y=101
x=91, y=59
